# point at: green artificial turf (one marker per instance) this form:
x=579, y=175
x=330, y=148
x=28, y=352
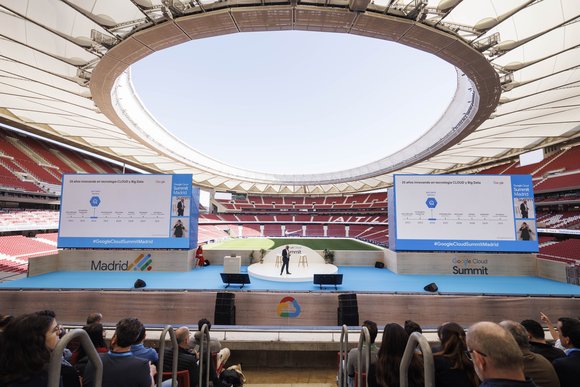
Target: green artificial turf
x=272, y=243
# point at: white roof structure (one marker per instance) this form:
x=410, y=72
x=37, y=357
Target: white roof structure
x=64, y=74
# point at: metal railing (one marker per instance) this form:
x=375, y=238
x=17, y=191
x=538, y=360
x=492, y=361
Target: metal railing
x=167, y=329
x=56, y=357
x=343, y=357
x=204, y=356
x=428, y=368
x=364, y=339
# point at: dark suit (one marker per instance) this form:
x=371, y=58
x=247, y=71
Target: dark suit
x=524, y=210
x=285, y=261
x=185, y=361
x=568, y=369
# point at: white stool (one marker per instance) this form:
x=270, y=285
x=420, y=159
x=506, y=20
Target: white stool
x=303, y=260
x=278, y=260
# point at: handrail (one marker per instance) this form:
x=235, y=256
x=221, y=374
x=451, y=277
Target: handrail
x=364, y=338
x=167, y=329
x=204, y=364
x=428, y=368
x=56, y=357
x=343, y=357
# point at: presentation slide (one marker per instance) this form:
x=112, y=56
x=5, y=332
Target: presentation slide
x=128, y=211
x=463, y=213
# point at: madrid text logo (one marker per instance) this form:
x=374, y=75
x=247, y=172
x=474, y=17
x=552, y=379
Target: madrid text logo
x=288, y=307
x=141, y=263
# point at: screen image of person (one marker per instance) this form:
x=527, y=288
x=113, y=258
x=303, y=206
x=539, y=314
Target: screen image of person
x=524, y=209
x=178, y=229
x=180, y=207
x=526, y=233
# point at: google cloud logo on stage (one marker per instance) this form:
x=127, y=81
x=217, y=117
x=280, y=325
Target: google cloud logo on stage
x=288, y=307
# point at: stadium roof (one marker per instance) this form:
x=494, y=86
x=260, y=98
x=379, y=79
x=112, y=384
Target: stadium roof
x=64, y=74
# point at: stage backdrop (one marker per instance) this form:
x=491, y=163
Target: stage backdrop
x=128, y=211
x=492, y=213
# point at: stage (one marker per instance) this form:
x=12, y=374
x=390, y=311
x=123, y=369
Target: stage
x=383, y=296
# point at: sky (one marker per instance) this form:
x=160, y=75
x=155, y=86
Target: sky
x=294, y=102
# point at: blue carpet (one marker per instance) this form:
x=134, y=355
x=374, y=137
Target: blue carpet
x=356, y=279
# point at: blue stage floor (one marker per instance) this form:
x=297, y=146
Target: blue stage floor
x=356, y=279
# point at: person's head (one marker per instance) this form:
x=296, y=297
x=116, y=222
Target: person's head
x=453, y=347
x=372, y=327
x=535, y=330
x=202, y=322
x=287, y=247
x=178, y=221
x=182, y=336
x=4, y=320
x=390, y=354
x=126, y=333
x=96, y=334
x=26, y=343
x=518, y=332
x=569, y=332
x=94, y=318
x=494, y=352
x=525, y=225
x=411, y=326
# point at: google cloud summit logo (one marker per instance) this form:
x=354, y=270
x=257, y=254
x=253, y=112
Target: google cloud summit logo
x=288, y=307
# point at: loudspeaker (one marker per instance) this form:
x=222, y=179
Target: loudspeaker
x=432, y=287
x=379, y=265
x=139, y=284
x=225, y=309
x=347, y=310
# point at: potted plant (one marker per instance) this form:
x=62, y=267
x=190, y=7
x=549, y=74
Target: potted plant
x=251, y=257
x=262, y=254
x=328, y=256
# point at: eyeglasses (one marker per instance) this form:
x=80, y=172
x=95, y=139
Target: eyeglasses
x=469, y=351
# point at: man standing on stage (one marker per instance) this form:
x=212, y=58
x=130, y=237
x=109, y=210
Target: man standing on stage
x=285, y=260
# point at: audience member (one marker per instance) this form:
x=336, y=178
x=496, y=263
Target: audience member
x=385, y=372
x=120, y=366
x=185, y=359
x=353, y=355
x=97, y=335
x=568, y=368
x=452, y=366
x=411, y=326
x=222, y=354
x=538, y=343
x=143, y=352
x=25, y=347
x=496, y=357
x=553, y=331
x=536, y=367
x=4, y=320
x=94, y=318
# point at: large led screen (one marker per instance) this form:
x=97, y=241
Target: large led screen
x=463, y=213
x=128, y=211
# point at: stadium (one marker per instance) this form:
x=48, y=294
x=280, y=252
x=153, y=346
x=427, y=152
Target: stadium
x=69, y=111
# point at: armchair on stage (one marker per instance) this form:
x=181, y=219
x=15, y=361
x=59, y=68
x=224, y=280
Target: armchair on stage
x=328, y=279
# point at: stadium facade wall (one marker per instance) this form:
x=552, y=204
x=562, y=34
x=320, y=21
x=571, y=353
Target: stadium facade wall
x=461, y=263
x=341, y=257
x=112, y=260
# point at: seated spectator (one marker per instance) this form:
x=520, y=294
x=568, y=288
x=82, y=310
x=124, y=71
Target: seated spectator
x=25, y=347
x=555, y=333
x=143, y=352
x=222, y=354
x=4, y=320
x=68, y=375
x=120, y=367
x=568, y=368
x=186, y=360
x=352, y=363
x=538, y=343
x=496, y=356
x=536, y=367
x=411, y=326
x=97, y=335
x=452, y=366
x=386, y=370
x=94, y=318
